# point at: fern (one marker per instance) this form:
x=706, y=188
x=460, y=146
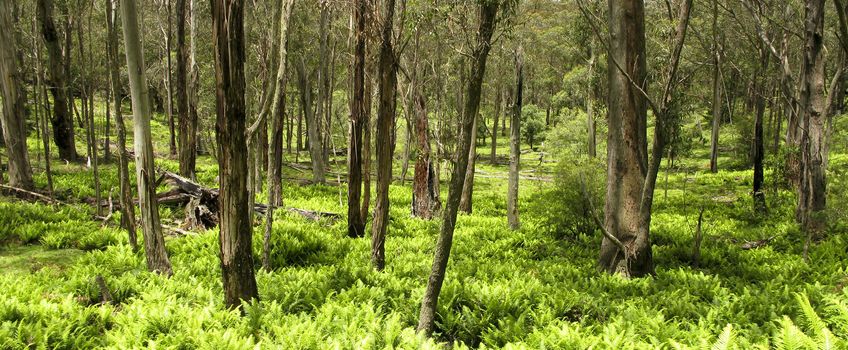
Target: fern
x=725, y=339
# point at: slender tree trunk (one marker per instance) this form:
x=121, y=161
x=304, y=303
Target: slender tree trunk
x=87, y=106
x=236, y=231
x=425, y=195
x=366, y=149
x=172, y=136
x=465, y=202
x=759, y=196
x=275, y=156
x=716, y=105
x=493, y=157
x=355, y=219
x=427, y=317
x=590, y=107
x=386, y=133
x=14, y=99
x=63, y=124
x=312, y=122
x=154, y=242
x=515, y=145
x=321, y=116
x=812, y=189
x=125, y=195
x=41, y=101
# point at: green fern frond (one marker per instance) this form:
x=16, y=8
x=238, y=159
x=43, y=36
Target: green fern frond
x=725, y=339
x=813, y=322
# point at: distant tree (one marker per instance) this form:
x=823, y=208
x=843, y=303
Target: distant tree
x=154, y=241
x=236, y=229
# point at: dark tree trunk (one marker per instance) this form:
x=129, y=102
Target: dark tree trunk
x=427, y=316
x=811, y=192
x=14, y=98
x=515, y=145
x=355, y=219
x=759, y=150
x=63, y=124
x=366, y=149
x=716, y=104
x=385, y=133
x=154, y=242
x=187, y=114
x=172, y=136
x=125, y=194
x=236, y=231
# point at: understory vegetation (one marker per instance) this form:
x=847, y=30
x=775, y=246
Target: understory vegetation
x=533, y=288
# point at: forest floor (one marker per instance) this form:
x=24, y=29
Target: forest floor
x=532, y=288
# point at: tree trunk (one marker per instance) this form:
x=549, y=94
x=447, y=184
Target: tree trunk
x=515, y=145
x=125, y=195
x=366, y=149
x=627, y=156
x=321, y=117
x=590, y=108
x=493, y=157
x=172, y=137
x=716, y=105
x=427, y=316
x=42, y=102
x=275, y=155
x=386, y=133
x=154, y=242
x=759, y=196
x=811, y=192
x=355, y=217
x=63, y=124
x=314, y=138
x=14, y=99
x=465, y=202
x=236, y=231
x=425, y=191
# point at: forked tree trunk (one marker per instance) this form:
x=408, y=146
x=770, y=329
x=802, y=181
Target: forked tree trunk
x=236, y=231
x=275, y=150
x=125, y=194
x=487, y=21
x=515, y=145
x=154, y=242
x=62, y=121
x=385, y=133
x=355, y=217
x=14, y=98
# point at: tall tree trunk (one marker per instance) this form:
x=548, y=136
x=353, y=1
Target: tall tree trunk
x=236, y=231
x=14, y=99
x=312, y=121
x=465, y=202
x=493, y=158
x=355, y=219
x=154, y=242
x=759, y=195
x=427, y=317
x=63, y=124
x=125, y=195
x=42, y=105
x=811, y=192
x=366, y=148
x=275, y=151
x=321, y=115
x=591, y=135
x=186, y=83
x=716, y=104
x=386, y=133
x=172, y=136
x=515, y=145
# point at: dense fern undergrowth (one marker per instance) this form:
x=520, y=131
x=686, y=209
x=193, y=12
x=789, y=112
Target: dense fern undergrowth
x=533, y=288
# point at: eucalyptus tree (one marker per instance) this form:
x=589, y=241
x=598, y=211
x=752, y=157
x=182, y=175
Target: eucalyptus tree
x=154, y=241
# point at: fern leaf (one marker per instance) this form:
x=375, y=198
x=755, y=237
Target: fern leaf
x=725, y=339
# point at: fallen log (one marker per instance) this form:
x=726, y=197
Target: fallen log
x=28, y=195
x=316, y=215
